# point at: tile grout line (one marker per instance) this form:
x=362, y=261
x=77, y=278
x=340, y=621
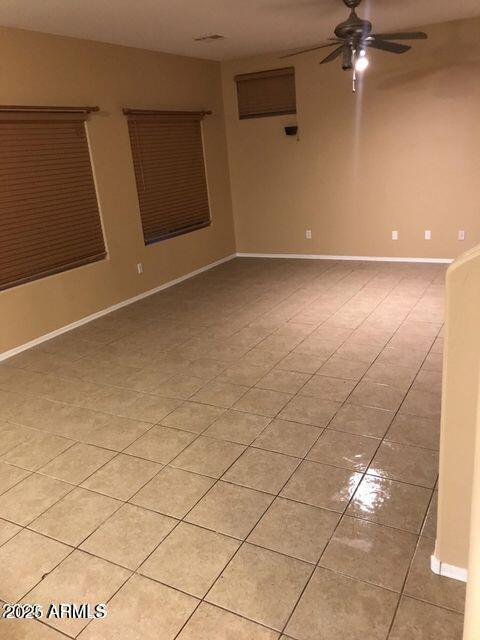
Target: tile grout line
x=402, y=592
x=426, y=512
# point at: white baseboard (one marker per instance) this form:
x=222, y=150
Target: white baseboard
x=448, y=570
x=304, y=256
x=78, y=323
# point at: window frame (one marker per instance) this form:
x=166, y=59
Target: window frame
x=258, y=75
x=187, y=115
x=46, y=114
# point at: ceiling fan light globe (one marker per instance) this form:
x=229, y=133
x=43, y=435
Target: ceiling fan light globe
x=361, y=63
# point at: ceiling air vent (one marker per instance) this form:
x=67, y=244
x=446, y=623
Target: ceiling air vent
x=211, y=38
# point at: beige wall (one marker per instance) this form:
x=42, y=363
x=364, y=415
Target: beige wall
x=401, y=154
x=460, y=409
x=472, y=607
x=49, y=70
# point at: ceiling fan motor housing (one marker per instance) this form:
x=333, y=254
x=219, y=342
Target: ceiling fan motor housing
x=353, y=29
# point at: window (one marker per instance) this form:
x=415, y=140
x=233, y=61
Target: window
x=267, y=93
x=167, y=149
x=49, y=218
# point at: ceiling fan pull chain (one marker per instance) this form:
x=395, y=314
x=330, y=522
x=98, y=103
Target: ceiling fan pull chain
x=354, y=75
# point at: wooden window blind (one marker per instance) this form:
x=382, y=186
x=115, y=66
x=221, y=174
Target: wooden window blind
x=168, y=159
x=267, y=93
x=49, y=217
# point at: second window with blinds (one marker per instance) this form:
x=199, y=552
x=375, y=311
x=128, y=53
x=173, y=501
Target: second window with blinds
x=168, y=158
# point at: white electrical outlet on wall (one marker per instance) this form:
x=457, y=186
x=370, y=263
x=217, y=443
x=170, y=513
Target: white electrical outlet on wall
x=428, y=234
x=308, y=234
x=139, y=268
x=394, y=235
x=461, y=234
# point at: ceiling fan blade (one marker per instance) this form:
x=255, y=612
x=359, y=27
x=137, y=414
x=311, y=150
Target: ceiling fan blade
x=320, y=46
x=414, y=35
x=392, y=47
x=333, y=55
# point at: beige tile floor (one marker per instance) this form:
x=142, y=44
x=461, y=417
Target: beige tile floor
x=250, y=455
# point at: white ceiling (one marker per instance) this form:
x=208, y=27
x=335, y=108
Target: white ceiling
x=250, y=26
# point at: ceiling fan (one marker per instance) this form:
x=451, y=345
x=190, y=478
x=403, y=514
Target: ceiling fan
x=353, y=37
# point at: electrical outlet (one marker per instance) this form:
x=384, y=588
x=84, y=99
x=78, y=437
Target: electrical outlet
x=461, y=234
x=139, y=268
x=308, y=234
x=394, y=235
x=428, y=234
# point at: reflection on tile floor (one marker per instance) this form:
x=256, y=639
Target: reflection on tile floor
x=251, y=454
